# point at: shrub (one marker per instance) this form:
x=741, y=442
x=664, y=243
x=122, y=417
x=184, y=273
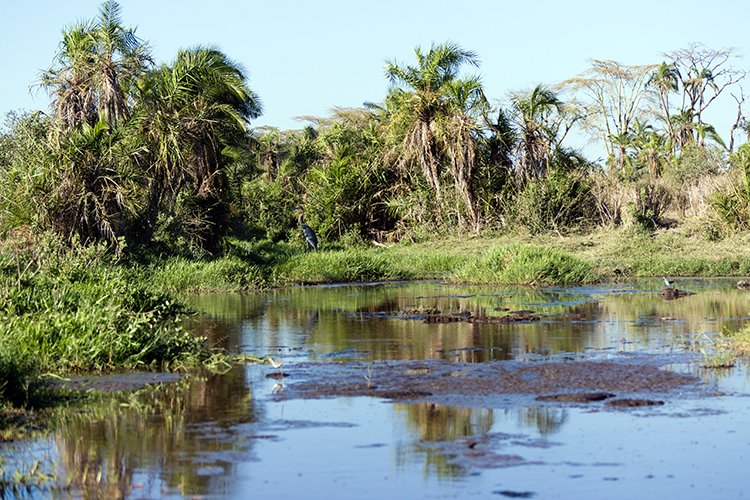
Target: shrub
x=651, y=201
x=74, y=311
x=271, y=211
x=556, y=201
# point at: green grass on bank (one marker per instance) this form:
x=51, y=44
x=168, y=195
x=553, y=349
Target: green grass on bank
x=524, y=264
x=673, y=252
x=507, y=259
x=63, y=311
x=69, y=312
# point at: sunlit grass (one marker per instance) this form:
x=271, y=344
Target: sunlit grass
x=720, y=359
x=738, y=343
x=181, y=276
x=525, y=265
x=512, y=258
x=352, y=264
x=74, y=311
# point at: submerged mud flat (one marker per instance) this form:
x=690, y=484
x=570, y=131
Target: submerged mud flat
x=478, y=384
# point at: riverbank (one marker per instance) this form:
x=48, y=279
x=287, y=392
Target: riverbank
x=66, y=311
x=512, y=258
x=85, y=310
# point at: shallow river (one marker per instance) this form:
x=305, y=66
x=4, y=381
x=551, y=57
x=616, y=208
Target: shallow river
x=252, y=432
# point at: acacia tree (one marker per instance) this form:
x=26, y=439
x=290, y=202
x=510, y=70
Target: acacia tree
x=704, y=75
x=436, y=114
x=614, y=96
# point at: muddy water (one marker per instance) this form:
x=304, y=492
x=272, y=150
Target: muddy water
x=373, y=402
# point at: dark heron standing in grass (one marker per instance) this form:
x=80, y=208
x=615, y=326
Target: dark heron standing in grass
x=310, y=239
x=669, y=284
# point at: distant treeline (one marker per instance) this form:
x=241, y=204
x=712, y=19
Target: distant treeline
x=144, y=154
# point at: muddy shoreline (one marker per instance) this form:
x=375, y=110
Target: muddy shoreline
x=626, y=382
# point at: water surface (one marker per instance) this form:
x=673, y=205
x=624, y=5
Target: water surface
x=233, y=436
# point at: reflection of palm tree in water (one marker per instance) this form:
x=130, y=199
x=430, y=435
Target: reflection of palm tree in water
x=545, y=420
x=437, y=423
x=159, y=428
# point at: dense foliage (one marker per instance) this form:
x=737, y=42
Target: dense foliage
x=141, y=154
x=71, y=311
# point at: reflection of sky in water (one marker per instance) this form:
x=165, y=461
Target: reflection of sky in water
x=226, y=436
x=573, y=453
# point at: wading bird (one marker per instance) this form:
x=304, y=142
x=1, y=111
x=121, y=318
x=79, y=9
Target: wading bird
x=310, y=239
x=667, y=282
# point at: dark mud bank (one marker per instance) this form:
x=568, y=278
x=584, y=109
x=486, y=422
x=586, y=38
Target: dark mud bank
x=631, y=383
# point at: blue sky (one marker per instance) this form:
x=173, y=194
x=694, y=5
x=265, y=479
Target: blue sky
x=304, y=57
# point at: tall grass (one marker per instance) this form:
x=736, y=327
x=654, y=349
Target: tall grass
x=738, y=342
x=18, y=373
x=525, y=265
x=352, y=264
x=180, y=275
x=73, y=311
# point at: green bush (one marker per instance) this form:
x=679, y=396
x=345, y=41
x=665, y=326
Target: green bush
x=696, y=161
x=556, y=201
x=271, y=209
x=74, y=311
x=732, y=204
x=25, y=171
x=651, y=202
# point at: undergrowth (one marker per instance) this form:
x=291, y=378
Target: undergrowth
x=74, y=311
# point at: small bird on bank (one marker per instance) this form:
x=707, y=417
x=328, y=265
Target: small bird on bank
x=310, y=238
x=668, y=283
x=274, y=363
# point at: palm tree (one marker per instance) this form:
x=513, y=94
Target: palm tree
x=666, y=79
x=97, y=66
x=419, y=97
x=537, y=129
x=194, y=114
x=684, y=128
x=436, y=114
x=460, y=131
x=119, y=60
x=70, y=84
x=706, y=130
x=96, y=182
x=622, y=142
x=651, y=147
x=267, y=146
x=501, y=140
x=92, y=85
